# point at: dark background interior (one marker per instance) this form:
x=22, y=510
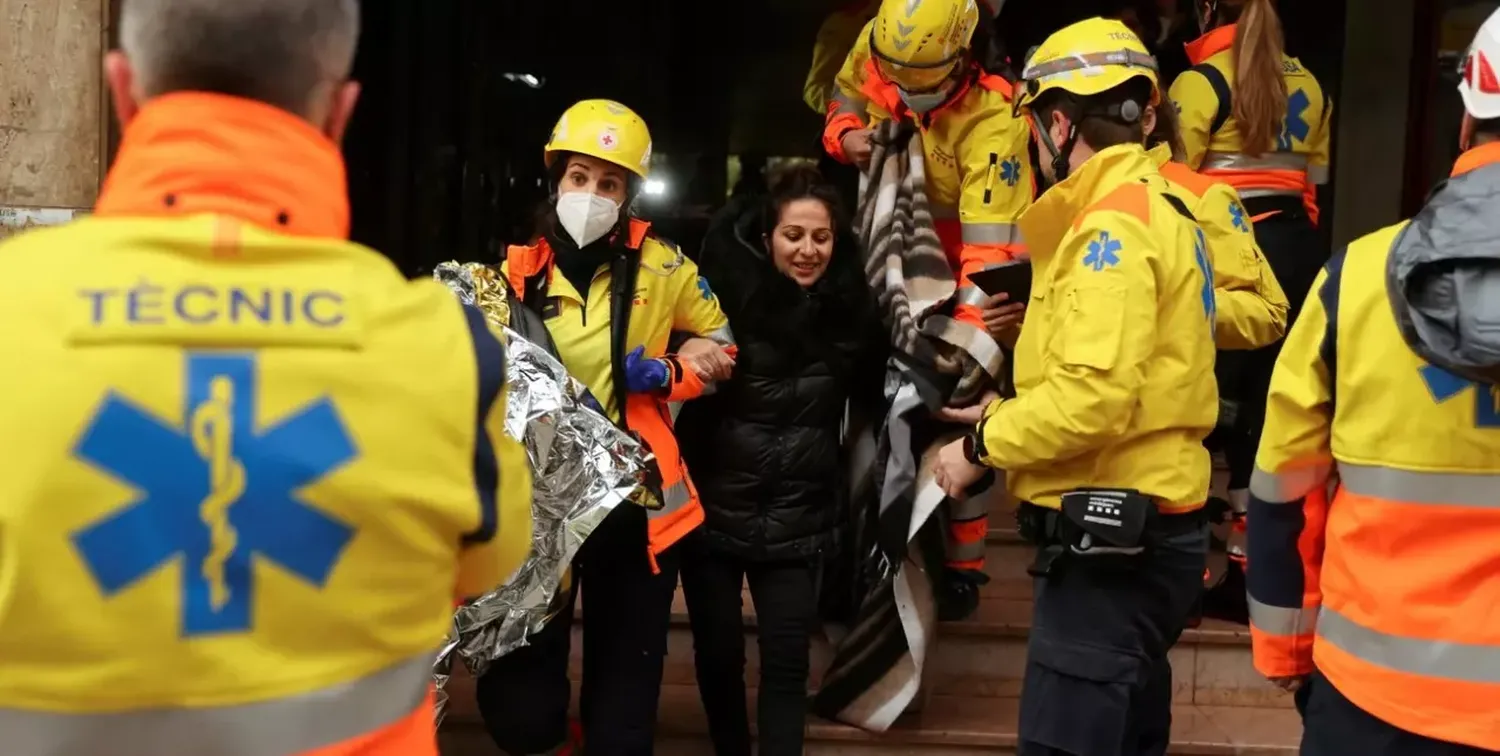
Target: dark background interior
x=445, y=150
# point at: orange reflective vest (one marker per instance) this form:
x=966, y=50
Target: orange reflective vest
x=1203, y=95
x=649, y=291
x=1375, y=503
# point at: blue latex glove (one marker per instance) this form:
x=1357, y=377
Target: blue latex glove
x=644, y=375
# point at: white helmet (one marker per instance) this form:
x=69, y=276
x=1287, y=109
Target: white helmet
x=1479, y=79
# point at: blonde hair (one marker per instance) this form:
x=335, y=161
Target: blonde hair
x=1260, y=86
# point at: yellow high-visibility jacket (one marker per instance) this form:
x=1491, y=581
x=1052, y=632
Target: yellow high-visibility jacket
x=248, y=465
x=1114, y=367
x=1252, y=309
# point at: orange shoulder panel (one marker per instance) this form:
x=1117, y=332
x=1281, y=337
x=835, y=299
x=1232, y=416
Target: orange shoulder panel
x=523, y=262
x=1187, y=178
x=997, y=83
x=1133, y=199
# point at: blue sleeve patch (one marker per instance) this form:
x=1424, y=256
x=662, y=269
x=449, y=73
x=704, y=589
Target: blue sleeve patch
x=1104, y=252
x=1237, y=215
x=1206, y=268
x=703, y=289
x=1010, y=171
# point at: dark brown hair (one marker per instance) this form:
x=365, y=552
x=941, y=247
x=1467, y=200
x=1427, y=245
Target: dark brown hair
x=1167, y=131
x=796, y=181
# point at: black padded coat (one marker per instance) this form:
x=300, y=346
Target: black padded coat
x=764, y=450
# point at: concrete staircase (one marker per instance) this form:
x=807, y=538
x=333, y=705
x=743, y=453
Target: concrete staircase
x=972, y=685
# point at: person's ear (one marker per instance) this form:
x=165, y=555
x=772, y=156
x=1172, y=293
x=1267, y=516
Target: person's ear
x=1059, y=128
x=119, y=76
x=340, y=110
x=1148, y=121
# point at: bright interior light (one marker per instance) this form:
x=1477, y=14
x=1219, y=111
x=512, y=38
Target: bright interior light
x=654, y=187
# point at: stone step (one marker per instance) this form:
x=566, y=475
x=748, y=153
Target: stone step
x=947, y=726
x=984, y=656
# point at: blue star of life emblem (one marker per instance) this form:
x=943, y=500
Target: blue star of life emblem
x=703, y=289
x=1206, y=269
x=214, y=495
x=1295, y=126
x=1445, y=386
x=1237, y=215
x=1010, y=171
x=1104, y=252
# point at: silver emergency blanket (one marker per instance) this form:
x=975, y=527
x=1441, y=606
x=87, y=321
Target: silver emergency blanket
x=582, y=466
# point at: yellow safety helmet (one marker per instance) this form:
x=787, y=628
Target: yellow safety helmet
x=1087, y=58
x=604, y=129
x=916, y=43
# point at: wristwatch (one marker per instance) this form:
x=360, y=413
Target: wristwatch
x=972, y=447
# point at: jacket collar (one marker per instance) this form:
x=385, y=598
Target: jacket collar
x=1161, y=154
x=1476, y=158
x=1061, y=207
x=195, y=152
x=1211, y=44
x=523, y=262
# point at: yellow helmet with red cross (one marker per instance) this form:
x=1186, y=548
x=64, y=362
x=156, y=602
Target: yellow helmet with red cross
x=604, y=129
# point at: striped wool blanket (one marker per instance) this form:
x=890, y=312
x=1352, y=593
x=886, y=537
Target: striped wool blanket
x=895, y=564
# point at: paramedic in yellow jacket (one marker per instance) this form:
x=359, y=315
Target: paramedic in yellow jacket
x=612, y=295
x=1257, y=119
x=249, y=466
x=915, y=64
x=1114, y=396
x=1251, y=309
x=1375, y=506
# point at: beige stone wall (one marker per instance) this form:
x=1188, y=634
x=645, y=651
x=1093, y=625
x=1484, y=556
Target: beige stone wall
x=52, y=106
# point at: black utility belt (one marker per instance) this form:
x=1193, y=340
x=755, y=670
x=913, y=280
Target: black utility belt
x=1098, y=522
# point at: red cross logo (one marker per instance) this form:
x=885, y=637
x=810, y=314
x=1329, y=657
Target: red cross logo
x=607, y=140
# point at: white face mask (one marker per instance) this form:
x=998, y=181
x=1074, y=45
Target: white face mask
x=586, y=216
x=923, y=102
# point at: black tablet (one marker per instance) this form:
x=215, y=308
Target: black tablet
x=1012, y=278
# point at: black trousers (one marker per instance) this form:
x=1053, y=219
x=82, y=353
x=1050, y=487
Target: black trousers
x=1334, y=726
x=1098, y=682
x=786, y=607
x=1295, y=253
x=523, y=697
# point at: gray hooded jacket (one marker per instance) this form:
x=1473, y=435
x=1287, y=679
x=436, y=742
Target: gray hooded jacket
x=1443, y=277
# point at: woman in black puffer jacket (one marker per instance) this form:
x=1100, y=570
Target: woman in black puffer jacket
x=764, y=451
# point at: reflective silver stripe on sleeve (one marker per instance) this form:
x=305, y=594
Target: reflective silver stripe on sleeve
x=1281, y=620
x=1448, y=660
x=293, y=724
x=991, y=233
x=1290, y=485
x=1271, y=161
x=971, y=295
x=673, y=498
x=1447, y=489
x=847, y=104
x=1317, y=175
x=723, y=336
x=1253, y=193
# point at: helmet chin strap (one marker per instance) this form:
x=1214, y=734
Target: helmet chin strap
x=1061, y=156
